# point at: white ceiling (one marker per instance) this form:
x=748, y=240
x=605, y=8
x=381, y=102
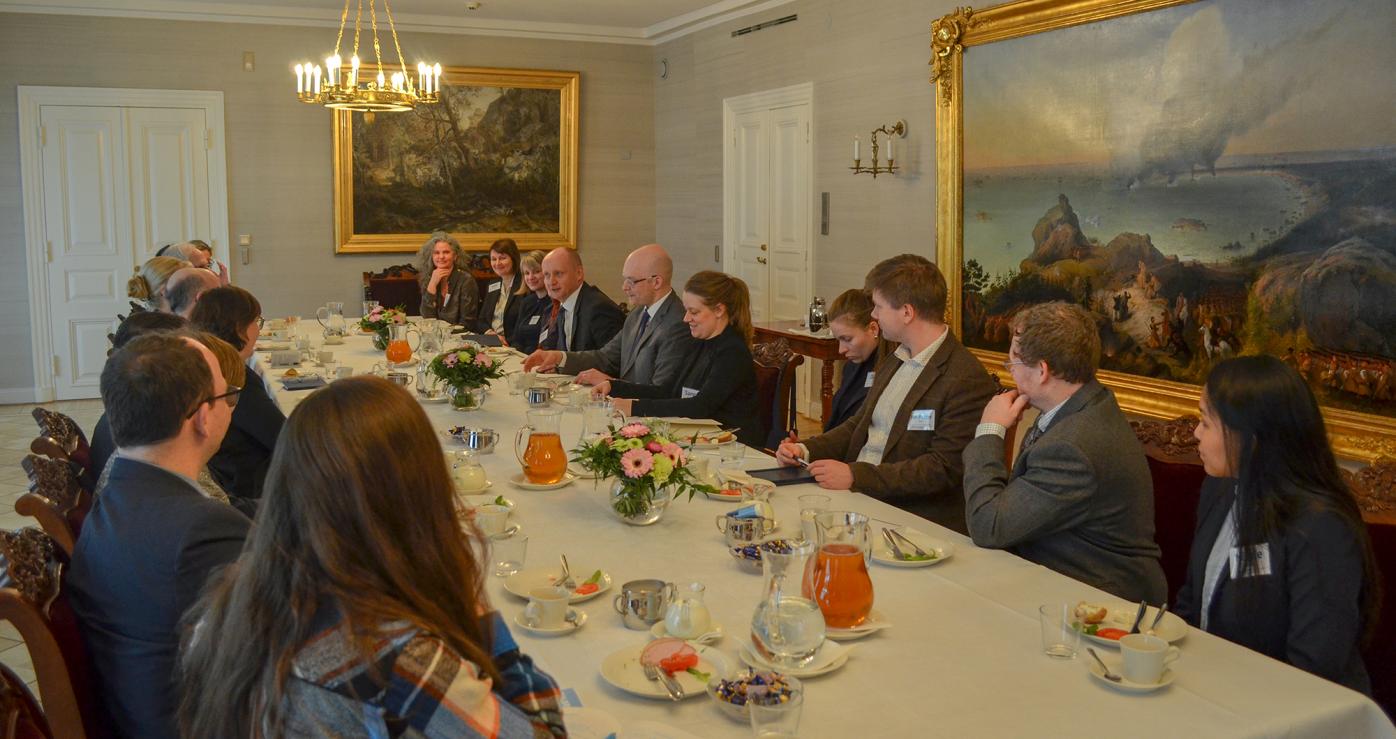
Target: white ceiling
x=612, y=21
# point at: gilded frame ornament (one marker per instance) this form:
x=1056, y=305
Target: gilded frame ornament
x=347, y=240
x=1354, y=435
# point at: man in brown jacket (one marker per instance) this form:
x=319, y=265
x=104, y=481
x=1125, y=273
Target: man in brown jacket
x=904, y=446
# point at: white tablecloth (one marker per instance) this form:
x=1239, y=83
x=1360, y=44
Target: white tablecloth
x=963, y=657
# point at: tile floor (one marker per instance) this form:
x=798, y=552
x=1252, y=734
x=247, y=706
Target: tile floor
x=17, y=429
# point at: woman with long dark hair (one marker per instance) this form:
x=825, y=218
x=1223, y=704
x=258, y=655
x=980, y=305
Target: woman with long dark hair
x=499, y=306
x=358, y=607
x=719, y=379
x=1281, y=562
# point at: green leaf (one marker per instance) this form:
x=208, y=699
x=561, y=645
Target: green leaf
x=705, y=677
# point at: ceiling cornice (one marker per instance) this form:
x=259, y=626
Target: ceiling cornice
x=667, y=30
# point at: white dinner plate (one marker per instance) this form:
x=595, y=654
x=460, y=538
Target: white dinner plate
x=576, y=619
x=831, y=656
x=1120, y=615
x=874, y=623
x=1125, y=685
x=882, y=554
x=622, y=669
x=519, y=481
x=713, y=636
x=522, y=582
x=721, y=494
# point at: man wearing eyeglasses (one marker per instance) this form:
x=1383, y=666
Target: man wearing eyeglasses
x=152, y=538
x=650, y=346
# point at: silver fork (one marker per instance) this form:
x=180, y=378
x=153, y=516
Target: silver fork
x=892, y=544
x=1112, y=677
x=567, y=581
x=914, y=546
x=652, y=673
x=1157, y=618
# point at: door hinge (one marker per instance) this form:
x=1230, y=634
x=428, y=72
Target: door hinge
x=806, y=132
x=208, y=139
x=43, y=136
x=48, y=250
x=56, y=370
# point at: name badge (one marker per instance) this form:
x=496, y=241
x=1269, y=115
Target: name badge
x=543, y=336
x=534, y=320
x=1262, y=562
x=868, y=381
x=494, y=287
x=922, y=420
x=688, y=392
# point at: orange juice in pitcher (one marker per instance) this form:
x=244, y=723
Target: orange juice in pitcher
x=544, y=460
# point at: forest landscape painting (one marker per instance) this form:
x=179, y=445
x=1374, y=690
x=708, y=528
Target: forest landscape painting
x=496, y=157
x=1210, y=179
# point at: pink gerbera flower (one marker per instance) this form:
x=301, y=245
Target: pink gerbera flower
x=636, y=463
x=400, y=318
x=634, y=430
x=674, y=452
x=449, y=360
x=654, y=447
x=482, y=360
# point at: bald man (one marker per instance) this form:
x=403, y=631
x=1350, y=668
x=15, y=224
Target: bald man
x=185, y=287
x=650, y=347
x=583, y=318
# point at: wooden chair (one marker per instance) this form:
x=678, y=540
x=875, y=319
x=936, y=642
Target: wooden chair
x=20, y=715
x=1177, y=475
x=1375, y=489
x=60, y=437
x=775, y=388
x=33, y=600
x=56, y=499
x=395, y=286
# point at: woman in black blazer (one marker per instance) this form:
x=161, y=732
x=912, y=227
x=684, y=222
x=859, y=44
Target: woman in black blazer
x=448, y=288
x=240, y=465
x=534, y=306
x=499, y=306
x=860, y=342
x=719, y=376
x=1281, y=562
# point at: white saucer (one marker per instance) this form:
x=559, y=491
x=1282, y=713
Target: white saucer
x=831, y=656
x=523, y=581
x=720, y=496
x=882, y=554
x=874, y=623
x=622, y=669
x=488, y=501
x=1125, y=685
x=714, y=635
x=519, y=481
x=476, y=491
x=580, y=472
x=1120, y=615
x=578, y=616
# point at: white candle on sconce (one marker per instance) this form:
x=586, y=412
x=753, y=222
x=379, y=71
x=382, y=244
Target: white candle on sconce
x=889, y=148
x=436, y=82
x=317, y=79
x=421, y=77
x=855, y=149
x=300, y=78
x=354, y=71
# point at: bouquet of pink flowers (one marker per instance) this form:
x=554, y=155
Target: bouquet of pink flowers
x=465, y=367
x=377, y=322
x=644, y=459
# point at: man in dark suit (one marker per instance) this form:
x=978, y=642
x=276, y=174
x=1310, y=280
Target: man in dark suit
x=904, y=445
x=650, y=348
x=152, y=539
x=1079, y=498
x=583, y=317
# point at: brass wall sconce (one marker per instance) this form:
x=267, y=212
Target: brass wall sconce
x=899, y=130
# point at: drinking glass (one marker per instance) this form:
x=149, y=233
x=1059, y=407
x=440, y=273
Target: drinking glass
x=811, y=506
x=368, y=306
x=732, y=454
x=778, y=720
x=1059, y=638
x=331, y=370
x=508, y=553
x=519, y=382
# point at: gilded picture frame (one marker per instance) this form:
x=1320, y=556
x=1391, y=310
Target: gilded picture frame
x=497, y=158
x=1355, y=433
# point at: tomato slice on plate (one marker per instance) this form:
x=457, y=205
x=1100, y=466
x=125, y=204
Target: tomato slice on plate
x=1112, y=634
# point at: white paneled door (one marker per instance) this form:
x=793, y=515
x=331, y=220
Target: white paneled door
x=118, y=183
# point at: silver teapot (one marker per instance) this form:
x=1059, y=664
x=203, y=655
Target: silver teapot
x=818, y=319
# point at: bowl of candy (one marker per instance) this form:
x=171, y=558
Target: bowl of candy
x=749, y=555
x=733, y=695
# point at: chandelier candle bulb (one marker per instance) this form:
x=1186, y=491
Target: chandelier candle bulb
x=317, y=79
x=354, y=71
x=436, y=84
x=300, y=78
x=380, y=78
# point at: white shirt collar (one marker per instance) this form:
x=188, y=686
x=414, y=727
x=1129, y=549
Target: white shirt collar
x=653, y=308
x=1045, y=418
x=924, y=355
x=571, y=302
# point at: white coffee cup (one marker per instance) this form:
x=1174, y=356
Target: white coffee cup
x=1145, y=657
x=343, y=372
x=547, y=607
x=492, y=519
x=324, y=357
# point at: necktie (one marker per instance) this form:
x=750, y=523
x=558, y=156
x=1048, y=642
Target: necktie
x=562, y=329
x=1029, y=439
x=644, y=322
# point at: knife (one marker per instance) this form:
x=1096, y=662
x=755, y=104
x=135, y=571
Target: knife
x=1139, y=617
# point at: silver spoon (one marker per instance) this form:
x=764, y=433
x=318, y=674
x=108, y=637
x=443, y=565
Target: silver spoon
x=1112, y=677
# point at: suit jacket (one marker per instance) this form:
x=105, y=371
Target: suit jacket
x=598, y=319
x=1306, y=612
x=462, y=299
x=722, y=373
x=1080, y=500
x=653, y=359
x=490, y=300
x=853, y=390
x=532, y=317
x=240, y=465
x=920, y=471
x=147, y=548
x=102, y=446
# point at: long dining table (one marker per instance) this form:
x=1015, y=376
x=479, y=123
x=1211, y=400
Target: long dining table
x=962, y=657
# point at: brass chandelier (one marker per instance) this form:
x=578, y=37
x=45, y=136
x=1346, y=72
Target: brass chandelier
x=359, y=89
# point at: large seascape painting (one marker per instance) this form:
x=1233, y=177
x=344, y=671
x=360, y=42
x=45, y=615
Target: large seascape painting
x=1210, y=179
x=497, y=157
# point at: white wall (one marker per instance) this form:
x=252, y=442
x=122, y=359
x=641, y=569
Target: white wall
x=279, y=154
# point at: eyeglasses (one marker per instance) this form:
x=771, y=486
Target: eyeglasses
x=1009, y=364
x=261, y=321
x=231, y=396
x=632, y=281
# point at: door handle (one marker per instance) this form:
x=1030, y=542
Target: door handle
x=763, y=247
x=761, y=260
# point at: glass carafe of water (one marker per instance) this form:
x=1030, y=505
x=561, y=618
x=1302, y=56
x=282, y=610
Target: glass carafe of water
x=787, y=628
x=597, y=416
x=331, y=318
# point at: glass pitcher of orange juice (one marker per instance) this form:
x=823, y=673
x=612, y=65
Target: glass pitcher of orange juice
x=544, y=461
x=399, y=350
x=837, y=578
